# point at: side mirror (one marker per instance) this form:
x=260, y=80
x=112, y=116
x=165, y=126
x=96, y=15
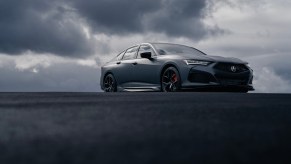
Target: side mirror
x=147, y=55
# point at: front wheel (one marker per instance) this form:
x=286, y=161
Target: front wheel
x=109, y=83
x=170, y=80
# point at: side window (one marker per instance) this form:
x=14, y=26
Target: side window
x=119, y=57
x=145, y=48
x=130, y=53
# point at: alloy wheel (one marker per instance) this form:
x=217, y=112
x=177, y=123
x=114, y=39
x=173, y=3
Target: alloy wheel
x=109, y=84
x=170, y=80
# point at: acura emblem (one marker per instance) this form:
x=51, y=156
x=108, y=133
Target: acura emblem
x=233, y=68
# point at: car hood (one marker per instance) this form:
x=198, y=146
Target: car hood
x=213, y=58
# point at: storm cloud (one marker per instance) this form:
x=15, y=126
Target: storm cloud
x=67, y=27
x=42, y=27
x=172, y=17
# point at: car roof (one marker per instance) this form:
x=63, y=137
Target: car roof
x=162, y=43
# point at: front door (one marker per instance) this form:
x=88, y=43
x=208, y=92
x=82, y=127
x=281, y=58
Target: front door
x=146, y=71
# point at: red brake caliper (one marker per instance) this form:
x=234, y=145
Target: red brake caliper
x=174, y=78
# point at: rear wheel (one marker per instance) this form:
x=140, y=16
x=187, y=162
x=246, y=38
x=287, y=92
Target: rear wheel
x=243, y=91
x=170, y=80
x=109, y=83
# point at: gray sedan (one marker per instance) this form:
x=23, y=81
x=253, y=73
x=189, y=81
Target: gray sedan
x=172, y=67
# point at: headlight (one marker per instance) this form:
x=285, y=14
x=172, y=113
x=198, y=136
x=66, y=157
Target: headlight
x=197, y=62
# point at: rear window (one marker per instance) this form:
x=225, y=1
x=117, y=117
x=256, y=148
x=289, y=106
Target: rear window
x=118, y=57
x=130, y=53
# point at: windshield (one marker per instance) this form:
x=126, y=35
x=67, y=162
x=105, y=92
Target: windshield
x=172, y=49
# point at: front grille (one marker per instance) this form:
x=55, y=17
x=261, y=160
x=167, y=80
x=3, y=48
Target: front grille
x=200, y=77
x=229, y=67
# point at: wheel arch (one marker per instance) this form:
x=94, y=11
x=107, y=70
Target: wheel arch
x=107, y=73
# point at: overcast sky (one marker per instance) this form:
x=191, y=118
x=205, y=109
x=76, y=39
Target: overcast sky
x=59, y=45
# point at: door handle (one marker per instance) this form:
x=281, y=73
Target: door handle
x=135, y=63
x=118, y=62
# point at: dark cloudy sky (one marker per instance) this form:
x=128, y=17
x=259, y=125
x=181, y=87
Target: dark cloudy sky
x=59, y=45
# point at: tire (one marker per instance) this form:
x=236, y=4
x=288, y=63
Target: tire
x=170, y=80
x=243, y=91
x=109, y=83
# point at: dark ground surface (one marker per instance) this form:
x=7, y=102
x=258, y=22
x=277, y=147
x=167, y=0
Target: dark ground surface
x=144, y=128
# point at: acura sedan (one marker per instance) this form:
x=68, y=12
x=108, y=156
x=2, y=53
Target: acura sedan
x=172, y=67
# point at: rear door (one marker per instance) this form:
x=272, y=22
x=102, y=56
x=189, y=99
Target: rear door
x=125, y=71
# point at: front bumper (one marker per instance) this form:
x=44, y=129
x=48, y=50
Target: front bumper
x=219, y=76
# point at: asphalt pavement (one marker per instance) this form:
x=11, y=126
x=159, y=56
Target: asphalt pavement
x=146, y=128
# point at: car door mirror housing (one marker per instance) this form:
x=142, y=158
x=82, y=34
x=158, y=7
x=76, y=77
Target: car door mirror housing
x=147, y=55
